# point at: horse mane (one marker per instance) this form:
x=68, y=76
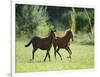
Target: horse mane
x=66, y=31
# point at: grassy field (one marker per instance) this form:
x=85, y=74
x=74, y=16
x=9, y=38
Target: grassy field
x=82, y=58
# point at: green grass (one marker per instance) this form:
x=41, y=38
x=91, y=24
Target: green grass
x=82, y=58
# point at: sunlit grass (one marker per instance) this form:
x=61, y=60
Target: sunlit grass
x=82, y=58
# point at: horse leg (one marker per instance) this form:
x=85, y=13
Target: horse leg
x=59, y=53
x=47, y=54
x=33, y=53
x=69, y=51
x=54, y=51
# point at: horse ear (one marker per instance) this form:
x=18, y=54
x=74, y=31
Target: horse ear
x=53, y=29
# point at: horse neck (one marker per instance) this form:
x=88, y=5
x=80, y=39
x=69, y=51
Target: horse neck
x=67, y=37
x=50, y=38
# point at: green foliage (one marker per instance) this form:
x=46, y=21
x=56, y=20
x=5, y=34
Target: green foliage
x=59, y=26
x=66, y=16
x=31, y=17
x=82, y=22
x=84, y=38
x=42, y=30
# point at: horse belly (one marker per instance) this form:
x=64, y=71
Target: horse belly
x=62, y=45
x=44, y=46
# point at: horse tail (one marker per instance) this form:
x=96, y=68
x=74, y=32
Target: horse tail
x=28, y=44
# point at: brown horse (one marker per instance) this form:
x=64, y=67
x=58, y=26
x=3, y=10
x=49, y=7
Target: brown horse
x=42, y=43
x=63, y=42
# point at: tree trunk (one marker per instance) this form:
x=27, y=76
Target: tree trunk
x=90, y=25
x=73, y=24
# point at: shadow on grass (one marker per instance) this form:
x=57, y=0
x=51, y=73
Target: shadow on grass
x=32, y=61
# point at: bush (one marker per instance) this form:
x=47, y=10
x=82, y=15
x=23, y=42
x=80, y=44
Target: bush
x=82, y=22
x=42, y=30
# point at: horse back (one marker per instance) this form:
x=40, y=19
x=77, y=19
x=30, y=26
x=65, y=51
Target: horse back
x=42, y=43
x=60, y=42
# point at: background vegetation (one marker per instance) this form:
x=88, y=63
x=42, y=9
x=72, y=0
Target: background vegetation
x=30, y=20
x=34, y=20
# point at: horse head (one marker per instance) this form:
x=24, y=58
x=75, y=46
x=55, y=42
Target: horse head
x=52, y=33
x=69, y=34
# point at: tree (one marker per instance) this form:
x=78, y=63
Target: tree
x=73, y=19
x=89, y=20
x=30, y=18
